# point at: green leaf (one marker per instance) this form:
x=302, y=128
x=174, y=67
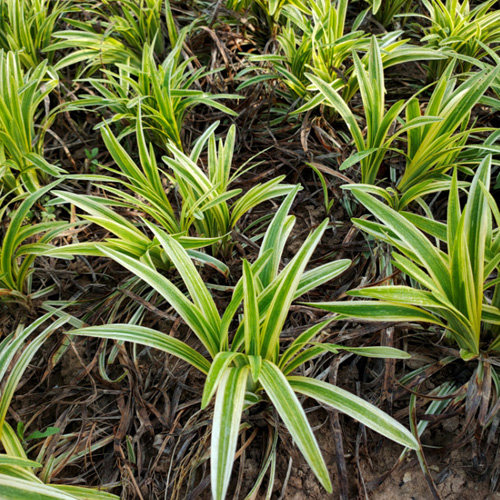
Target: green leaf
x=301, y=341
x=287, y=285
x=225, y=428
x=291, y=412
x=218, y=367
x=17, y=461
x=275, y=238
x=251, y=312
x=148, y=337
x=49, y=431
x=334, y=100
x=319, y=275
x=197, y=289
x=411, y=238
x=356, y=158
x=255, y=363
x=83, y=493
x=16, y=489
x=368, y=352
x=405, y=295
x=355, y=407
x=368, y=310
x=191, y=314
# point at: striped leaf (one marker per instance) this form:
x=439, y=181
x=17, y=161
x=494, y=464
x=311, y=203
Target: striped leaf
x=291, y=412
x=148, y=337
x=225, y=428
x=355, y=407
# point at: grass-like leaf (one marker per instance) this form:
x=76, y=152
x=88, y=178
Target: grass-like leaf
x=355, y=407
x=225, y=428
x=289, y=409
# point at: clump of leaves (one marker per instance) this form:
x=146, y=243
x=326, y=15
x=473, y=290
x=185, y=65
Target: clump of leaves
x=320, y=44
x=248, y=366
x=165, y=92
x=268, y=10
x=456, y=279
x=206, y=192
x=138, y=22
x=116, y=33
x=18, y=251
x=27, y=27
x=22, y=123
x=461, y=30
x=436, y=138
x=205, y=208
x=315, y=41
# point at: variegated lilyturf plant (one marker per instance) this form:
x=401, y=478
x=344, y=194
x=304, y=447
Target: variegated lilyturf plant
x=461, y=30
x=27, y=27
x=244, y=363
x=23, y=122
x=316, y=41
x=455, y=280
x=436, y=138
x=165, y=92
x=207, y=213
x=18, y=250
